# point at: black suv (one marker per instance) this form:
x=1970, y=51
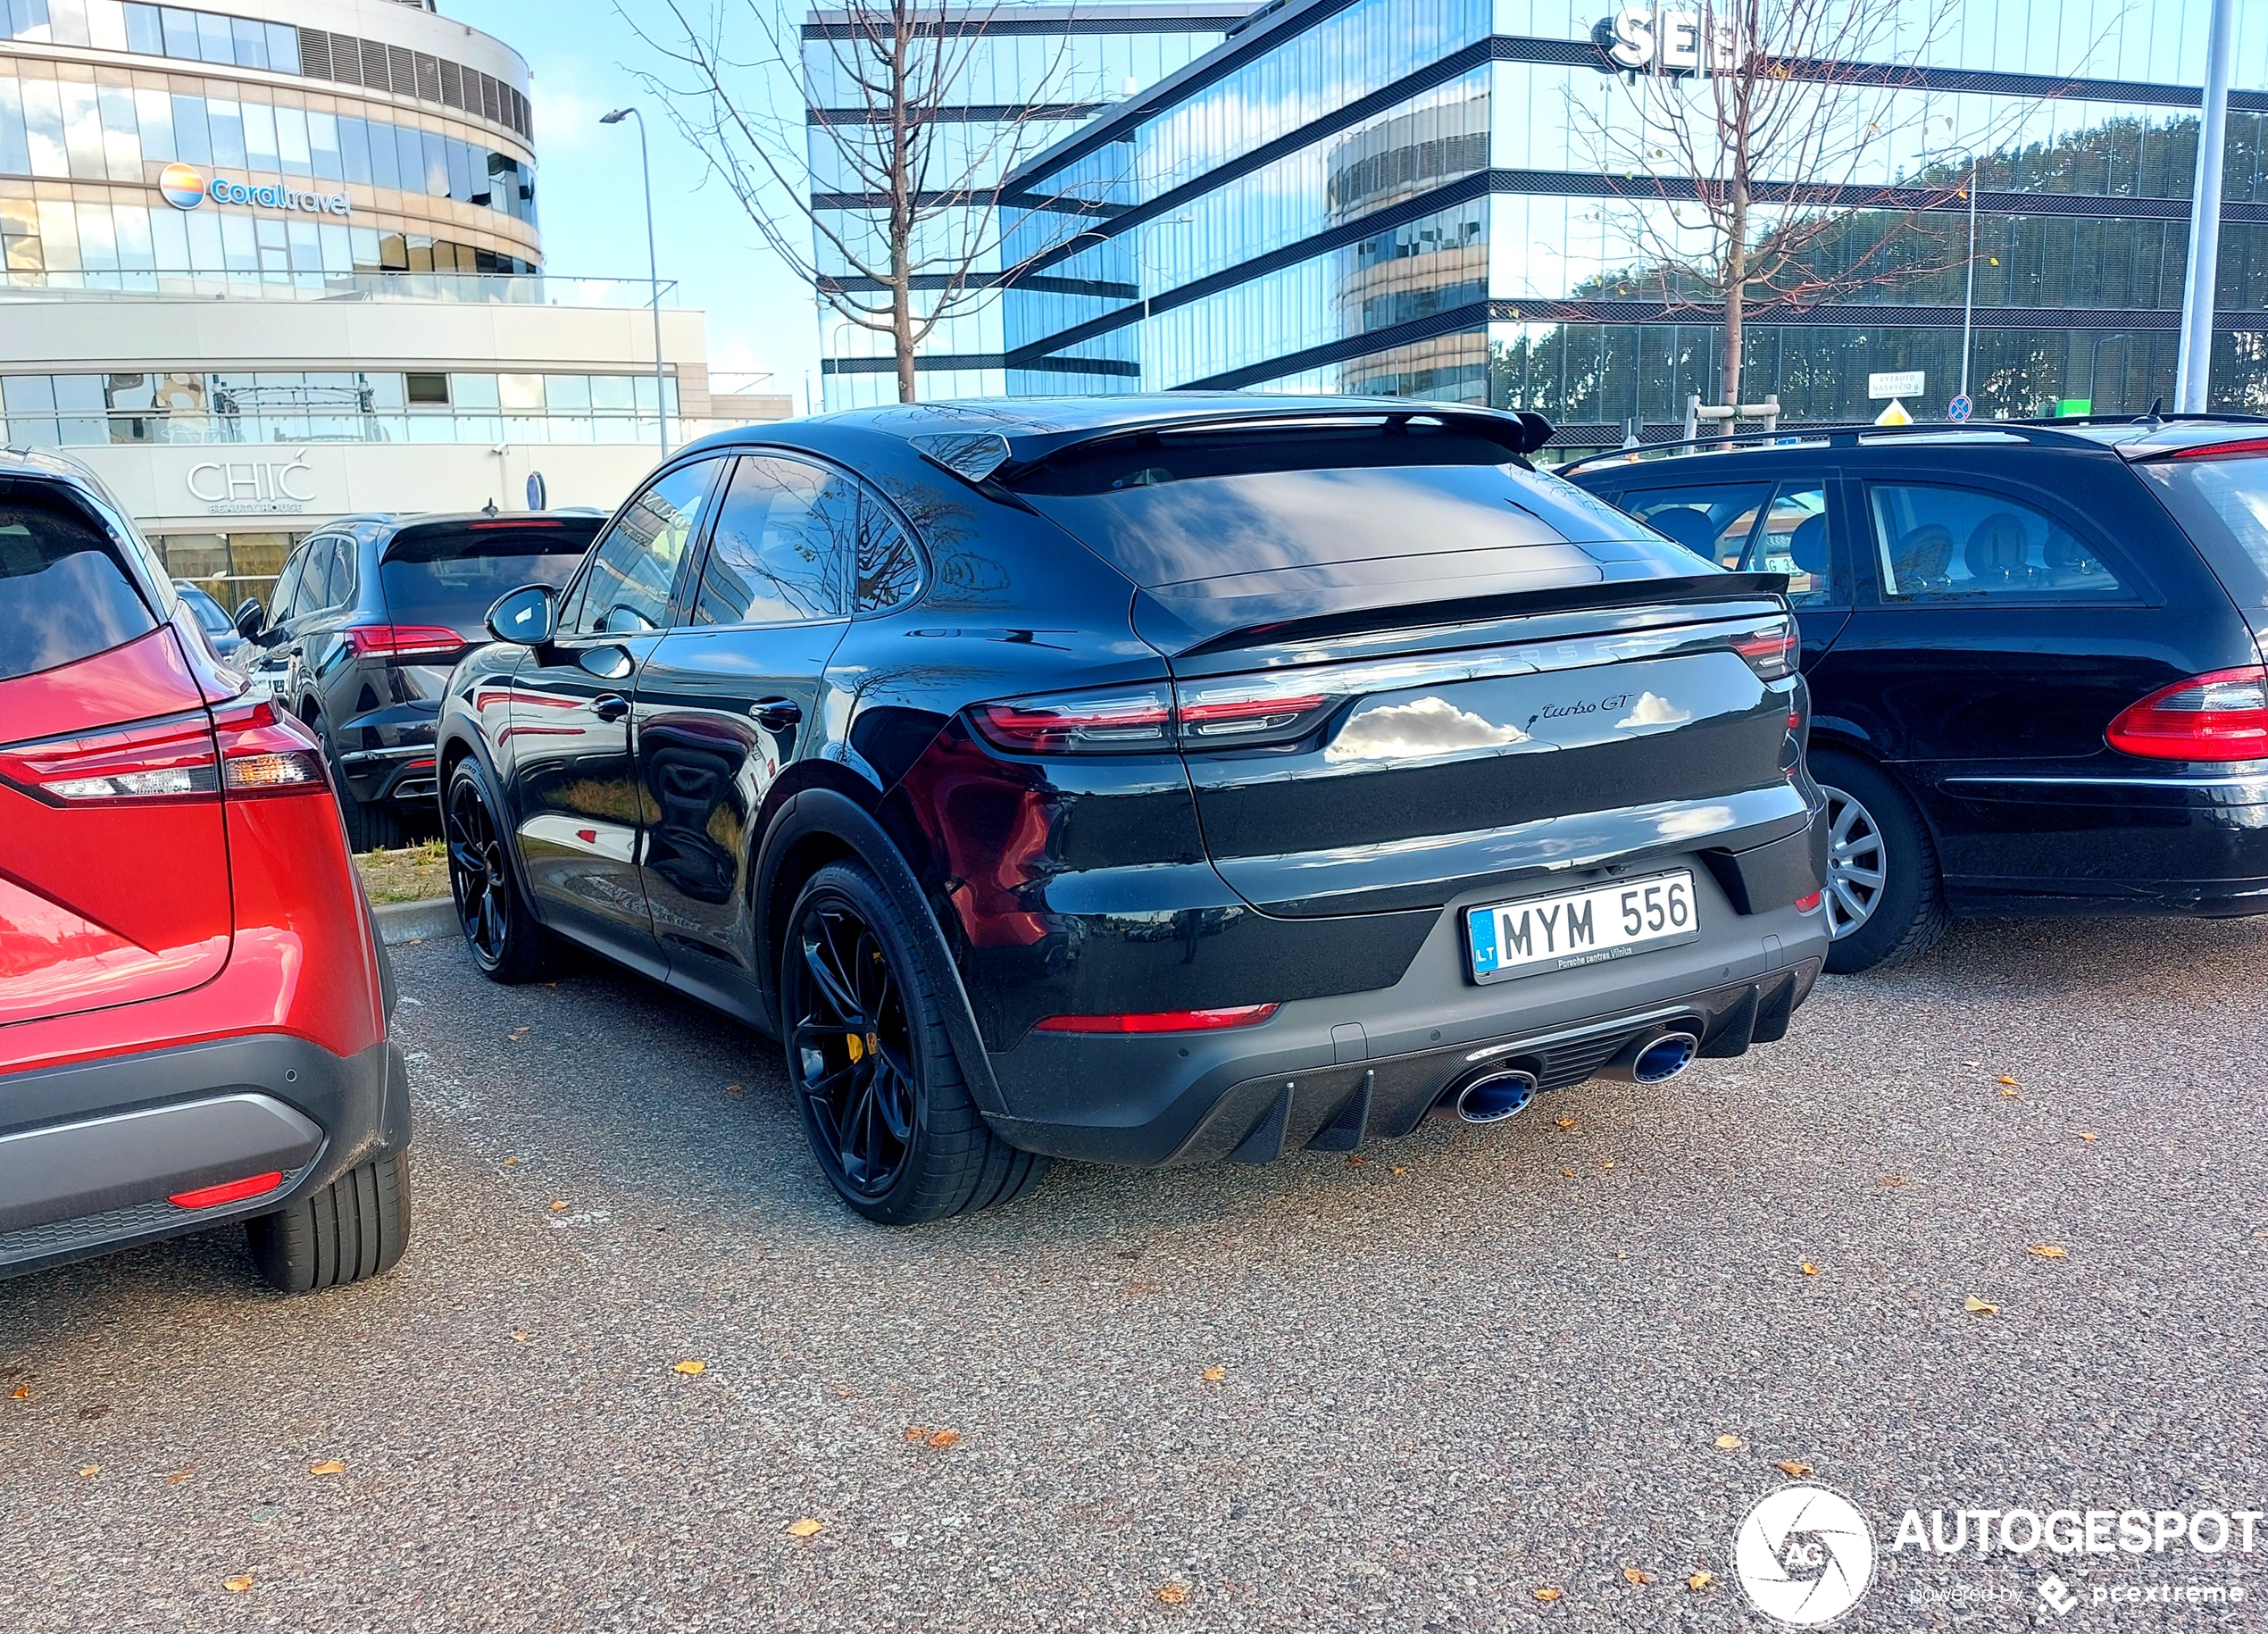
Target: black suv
x=2033, y=651
x=1147, y=780
x=365, y=623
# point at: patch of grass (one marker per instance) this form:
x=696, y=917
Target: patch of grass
x=415, y=873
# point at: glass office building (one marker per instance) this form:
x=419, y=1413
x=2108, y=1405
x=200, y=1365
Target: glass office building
x=1028, y=75
x=1414, y=197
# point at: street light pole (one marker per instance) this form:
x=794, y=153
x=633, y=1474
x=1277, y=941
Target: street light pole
x=1969, y=294
x=2193, y=369
x=653, y=268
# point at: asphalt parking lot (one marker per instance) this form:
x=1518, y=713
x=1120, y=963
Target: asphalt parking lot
x=1407, y=1393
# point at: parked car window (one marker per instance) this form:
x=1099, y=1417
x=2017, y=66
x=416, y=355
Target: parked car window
x=2222, y=503
x=64, y=594
x=889, y=567
x=336, y=575
x=1713, y=522
x=287, y=590
x=1936, y=542
x=1793, y=541
x=627, y=586
x=782, y=548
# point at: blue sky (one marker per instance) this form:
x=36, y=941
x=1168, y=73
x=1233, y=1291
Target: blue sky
x=584, y=58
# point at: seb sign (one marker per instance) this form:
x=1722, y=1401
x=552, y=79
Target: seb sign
x=1665, y=39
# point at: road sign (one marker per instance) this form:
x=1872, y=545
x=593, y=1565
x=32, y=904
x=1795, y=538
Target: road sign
x=1908, y=383
x=1896, y=414
x=1960, y=409
x=536, y=495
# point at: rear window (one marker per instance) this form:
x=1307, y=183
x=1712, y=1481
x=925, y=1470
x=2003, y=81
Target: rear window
x=1165, y=508
x=2222, y=505
x=452, y=575
x=64, y=594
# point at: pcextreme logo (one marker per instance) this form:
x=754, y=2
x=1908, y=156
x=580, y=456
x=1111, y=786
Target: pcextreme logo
x=184, y=187
x=1804, y=1556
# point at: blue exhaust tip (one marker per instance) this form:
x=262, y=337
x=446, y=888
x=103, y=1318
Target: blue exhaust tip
x=1664, y=1058
x=1495, y=1097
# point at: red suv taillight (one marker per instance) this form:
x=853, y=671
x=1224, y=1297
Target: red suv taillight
x=159, y=760
x=402, y=640
x=266, y=751
x=2219, y=716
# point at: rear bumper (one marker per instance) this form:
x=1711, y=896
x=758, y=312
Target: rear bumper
x=1331, y=1072
x=90, y=1154
x=2150, y=843
x=392, y=743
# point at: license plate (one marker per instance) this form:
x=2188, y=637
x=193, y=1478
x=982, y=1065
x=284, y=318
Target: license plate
x=1571, y=929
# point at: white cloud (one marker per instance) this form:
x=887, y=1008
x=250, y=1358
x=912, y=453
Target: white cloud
x=1651, y=709
x=1410, y=732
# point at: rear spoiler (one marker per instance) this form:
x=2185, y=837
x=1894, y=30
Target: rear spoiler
x=403, y=546
x=1632, y=593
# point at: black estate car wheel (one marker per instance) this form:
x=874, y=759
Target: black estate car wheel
x=506, y=943
x=1885, y=902
x=887, y=1113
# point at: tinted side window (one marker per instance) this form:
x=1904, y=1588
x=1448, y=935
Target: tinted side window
x=634, y=566
x=64, y=595
x=1794, y=541
x=331, y=562
x=889, y=567
x=1936, y=543
x=1713, y=522
x=286, y=591
x=782, y=548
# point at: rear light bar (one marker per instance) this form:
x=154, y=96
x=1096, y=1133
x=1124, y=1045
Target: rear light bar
x=2216, y=717
x=402, y=640
x=1771, y=651
x=170, y=759
x=227, y=1191
x=2250, y=446
x=1103, y=723
x=1161, y=1020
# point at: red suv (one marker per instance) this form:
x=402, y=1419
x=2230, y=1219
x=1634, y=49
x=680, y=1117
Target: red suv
x=193, y=998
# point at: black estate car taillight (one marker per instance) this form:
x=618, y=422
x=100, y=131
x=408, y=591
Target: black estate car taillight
x=2219, y=716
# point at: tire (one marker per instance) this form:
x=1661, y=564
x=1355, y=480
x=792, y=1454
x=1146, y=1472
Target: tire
x=884, y=1104
x=354, y=1227
x=1895, y=910
x=501, y=932
x=369, y=828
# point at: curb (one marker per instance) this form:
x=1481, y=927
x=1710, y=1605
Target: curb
x=415, y=922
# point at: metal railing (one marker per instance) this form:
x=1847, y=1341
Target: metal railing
x=468, y=288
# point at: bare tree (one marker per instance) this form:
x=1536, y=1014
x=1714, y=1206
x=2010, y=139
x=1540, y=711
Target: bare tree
x=1749, y=151
x=872, y=151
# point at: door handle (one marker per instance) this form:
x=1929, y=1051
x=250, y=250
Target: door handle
x=609, y=706
x=776, y=714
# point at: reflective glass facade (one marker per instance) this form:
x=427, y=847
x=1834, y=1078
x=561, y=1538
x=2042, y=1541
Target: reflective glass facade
x=1412, y=196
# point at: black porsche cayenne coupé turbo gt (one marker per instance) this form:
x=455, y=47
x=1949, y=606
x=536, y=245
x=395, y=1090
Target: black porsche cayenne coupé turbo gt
x=1147, y=780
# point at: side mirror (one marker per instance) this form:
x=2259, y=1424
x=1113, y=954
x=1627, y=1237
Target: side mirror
x=526, y=617
x=250, y=619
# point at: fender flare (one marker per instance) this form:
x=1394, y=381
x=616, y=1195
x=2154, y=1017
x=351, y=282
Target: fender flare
x=829, y=813
x=476, y=750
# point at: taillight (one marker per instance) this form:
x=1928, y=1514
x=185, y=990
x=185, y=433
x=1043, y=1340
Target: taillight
x=2219, y=716
x=1161, y=1020
x=1245, y=712
x=1101, y=722
x=2244, y=449
x=402, y=640
x=161, y=760
x=1771, y=650
x=266, y=751
x=1812, y=902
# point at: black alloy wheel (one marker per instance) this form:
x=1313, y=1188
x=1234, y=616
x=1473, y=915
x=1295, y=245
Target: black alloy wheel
x=884, y=1104
x=506, y=943
x=852, y=1058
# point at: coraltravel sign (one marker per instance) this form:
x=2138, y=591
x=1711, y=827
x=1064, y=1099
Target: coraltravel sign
x=185, y=187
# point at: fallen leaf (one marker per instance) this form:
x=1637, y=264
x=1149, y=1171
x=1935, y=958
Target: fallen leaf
x=2010, y=1095
x=1357, y=1163
x=20, y=1392
x=1978, y=1307
x=732, y=1088
x=917, y=1432
x=841, y=1392
x=2049, y=1251
x=1632, y=1575
x=1547, y=1594
x=559, y=1207
x=522, y=1337
x=516, y=1034
x=1809, y=1270
x=1606, y=1163
x=1893, y=1179
x=805, y=1528
x=1564, y=1122
x=946, y=1437
x=2088, y=1134
x=237, y=1585
x=1401, y=1168
x=1216, y=1374
x=180, y=1475
x=90, y=1470
x=1174, y=1594
x=1570, y=1173
x=510, y=1161
x=1792, y=1470
x=1728, y=1442
x=690, y=1366
x=2007, y=1080
x=329, y=1466
x=1698, y=1582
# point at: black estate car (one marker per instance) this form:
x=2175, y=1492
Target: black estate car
x=1147, y=780
x=2033, y=651
x=366, y=621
